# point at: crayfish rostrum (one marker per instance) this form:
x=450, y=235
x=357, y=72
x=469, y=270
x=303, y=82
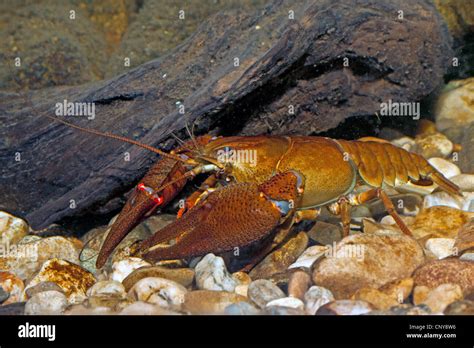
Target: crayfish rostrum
x=258, y=183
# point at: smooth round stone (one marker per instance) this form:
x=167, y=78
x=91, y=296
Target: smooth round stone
x=316, y=297
x=464, y=181
x=447, y=168
x=40, y=287
x=299, y=283
x=467, y=257
x=376, y=298
x=163, y=292
x=345, y=307
x=121, y=269
x=209, y=302
x=439, y=298
x=183, y=276
x=309, y=256
x=143, y=308
x=241, y=308
x=12, y=228
x=440, y=247
x=17, y=308
x=289, y=302
x=463, y=307
x=404, y=142
x=107, y=287
x=262, y=291
x=211, y=274
x=325, y=233
x=49, y=302
x=278, y=310
x=79, y=309
x=433, y=145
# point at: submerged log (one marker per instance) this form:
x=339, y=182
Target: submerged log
x=240, y=73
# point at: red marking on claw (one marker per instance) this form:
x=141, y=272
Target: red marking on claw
x=141, y=186
x=157, y=199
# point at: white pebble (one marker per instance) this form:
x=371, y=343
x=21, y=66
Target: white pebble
x=211, y=274
x=440, y=247
x=447, y=168
x=290, y=302
x=309, y=256
x=121, y=269
x=46, y=303
x=315, y=297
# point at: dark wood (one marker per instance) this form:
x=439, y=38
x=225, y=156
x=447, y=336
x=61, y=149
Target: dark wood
x=282, y=62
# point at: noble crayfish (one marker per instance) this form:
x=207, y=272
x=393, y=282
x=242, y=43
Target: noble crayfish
x=258, y=183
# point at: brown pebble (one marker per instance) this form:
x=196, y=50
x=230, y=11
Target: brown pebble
x=183, y=276
x=299, y=283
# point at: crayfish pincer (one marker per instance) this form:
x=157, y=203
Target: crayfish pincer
x=258, y=183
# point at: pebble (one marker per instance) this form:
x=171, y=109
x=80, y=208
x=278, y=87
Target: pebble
x=443, y=295
x=279, y=310
x=463, y=307
x=447, y=168
x=262, y=291
x=12, y=228
x=290, y=302
x=464, y=181
x=404, y=142
x=376, y=298
x=40, y=287
x=309, y=256
x=144, y=308
x=367, y=260
x=451, y=270
x=325, y=233
x=71, y=278
x=345, y=307
x=163, y=292
x=441, y=222
x=432, y=145
x=79, y=309
x=454, y=105
x=445, y=199
x=467, y=257
x=121, y=269
x=279, y=260
x=241, y=308
x=13, y=286
x=420, y=293
x=211, y=274
x=17, y=308
x=399, y=289
x=465, y=237
x=441, y=247
x=298, y=284
x=48, y=302
x=183, y=276
x=107, y=288
x=209, y=302
x=411, y=204
x=316, y=297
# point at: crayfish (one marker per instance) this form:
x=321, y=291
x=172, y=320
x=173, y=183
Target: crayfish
x=258, y=183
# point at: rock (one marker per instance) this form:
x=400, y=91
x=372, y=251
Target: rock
x=454, y=271
x=445, y=199
x=465, y=158
x=12, y=229
x=448, y=169
x=211, y=274
x=183, y=276
x=107, y=288
x=403, y=309
x=144, y=308
x=72, y=279
x=163, y=292
x=121, y=269
x=454, y=105
x=241, y=308
x=405, y=143
x=463, y=307
x=49, y=302
x=262, y=291
x=209, y=301
x=375, y=297
x=299, y=283
x=441, y=247
x=325, y=233
x=289, y=302
x=13, y=286
x=465, y=237
x=399, y=289
x=443, y=295
x=441, y=222
x=467, y=257
x=279, y=260
x=420, y=293
x=88, y=259
x=411, y=204
x=279, y=310
x=242, y=289
x=80, y=309
x=3, y=295
x=316, y=297
x=464, y=181
x=26, y=258
x=432, y=145
x=105, y=301
x=367, y=260
x=309, y=256
x=17, y=308
x=40, y=287
x=345, y=307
